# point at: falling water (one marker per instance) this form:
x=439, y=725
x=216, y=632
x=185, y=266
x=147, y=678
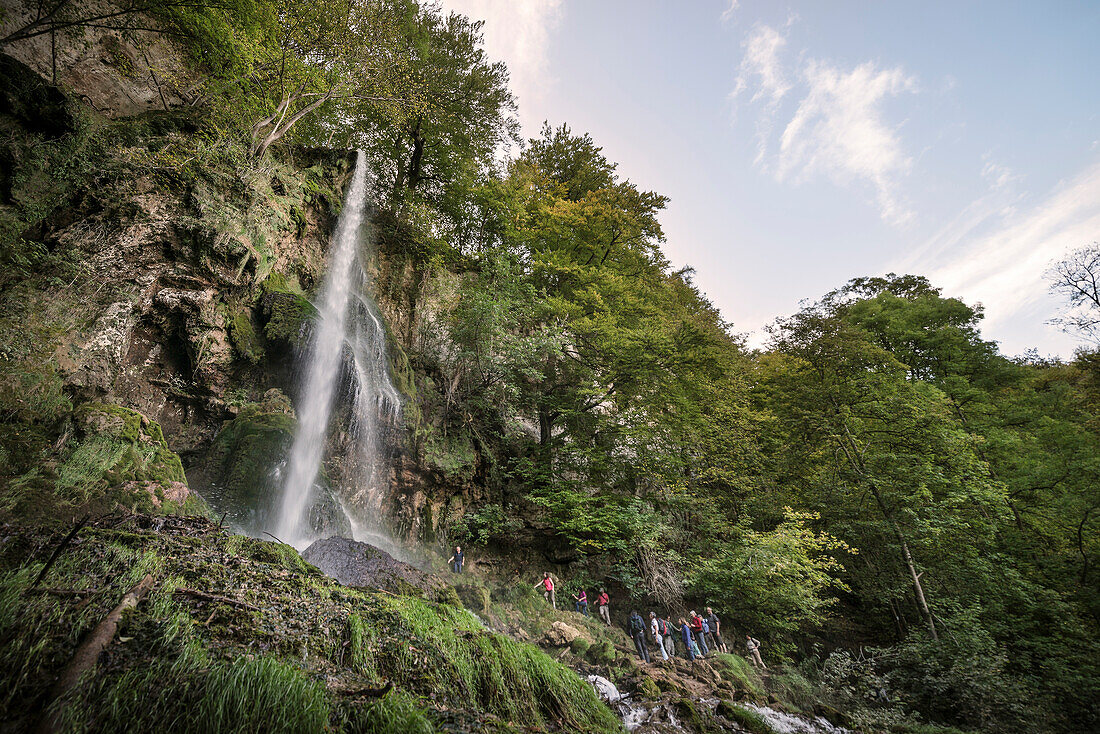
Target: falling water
x=345, y=368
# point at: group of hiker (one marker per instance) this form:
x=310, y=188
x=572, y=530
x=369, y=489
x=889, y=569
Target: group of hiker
x=700, y=636
x=694, y=630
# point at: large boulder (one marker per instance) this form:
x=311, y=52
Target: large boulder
x=561, y=634
x=360, y=564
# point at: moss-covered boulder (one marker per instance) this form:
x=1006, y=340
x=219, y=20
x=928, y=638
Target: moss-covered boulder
x=285, y=310
x=119, y=455
x=241, y=468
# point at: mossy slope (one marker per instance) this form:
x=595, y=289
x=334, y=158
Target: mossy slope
x=296, y=655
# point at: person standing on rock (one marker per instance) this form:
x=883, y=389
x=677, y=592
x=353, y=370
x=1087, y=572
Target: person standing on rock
x=601, y=604
x=668, y=636
x=754, y=649
x=715, y=631
x=637, y=631
x=456, y=560
x=547, y=584
x=655, y=630
x=689, y=643
x=697, y=630
x=581, y=604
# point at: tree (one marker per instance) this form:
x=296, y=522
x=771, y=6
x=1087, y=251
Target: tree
x=1077, y=278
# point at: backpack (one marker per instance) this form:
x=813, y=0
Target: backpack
x=663, y=627
x=706, y=627
x=636, y=624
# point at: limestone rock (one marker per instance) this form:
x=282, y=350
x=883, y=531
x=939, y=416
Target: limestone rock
x=561, y=634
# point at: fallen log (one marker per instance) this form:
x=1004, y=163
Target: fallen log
x=214, y=597
x=86, y=656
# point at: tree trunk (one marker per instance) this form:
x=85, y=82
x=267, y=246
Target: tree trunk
x=918, y=590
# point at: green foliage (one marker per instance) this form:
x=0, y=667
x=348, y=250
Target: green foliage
x=244, y=338
x=486, y=523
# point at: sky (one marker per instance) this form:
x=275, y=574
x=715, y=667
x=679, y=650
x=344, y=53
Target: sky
x=803, y=144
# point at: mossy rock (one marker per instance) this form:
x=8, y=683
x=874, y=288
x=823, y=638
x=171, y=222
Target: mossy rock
x=241, y=462
x=115, y=446
x=579, y=647
x=475, y=597
x=602, y=653
x=242, y=334
x=648, y=688
x=285, y=309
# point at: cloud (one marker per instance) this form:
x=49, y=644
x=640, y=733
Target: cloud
x=731, y=8
x=998, y=255
x=761, y=60
x=517, y=32
x=839, y=128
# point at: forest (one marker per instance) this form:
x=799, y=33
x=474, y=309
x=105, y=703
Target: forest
x=906, y=517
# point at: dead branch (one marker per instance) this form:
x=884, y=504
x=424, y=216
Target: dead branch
x=57, y=551
x=86, y=656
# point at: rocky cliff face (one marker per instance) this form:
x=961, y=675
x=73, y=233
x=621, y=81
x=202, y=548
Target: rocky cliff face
x=167, y=275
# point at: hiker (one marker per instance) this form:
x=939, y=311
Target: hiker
x=690, y=651
x=581, y=604
x=715, y=631
x=456, y=560
x=547, y=585
x=754, y=650
x=697, y=628
x=601, y=604
x=655, y=630
x=637, y=631
x=668, y=632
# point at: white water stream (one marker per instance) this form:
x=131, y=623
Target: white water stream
x=346, y=367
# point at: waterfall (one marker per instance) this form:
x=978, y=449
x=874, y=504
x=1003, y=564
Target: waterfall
x=347, y=397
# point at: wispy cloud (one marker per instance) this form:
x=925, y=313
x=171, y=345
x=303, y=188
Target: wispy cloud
x=517, y=32
x=839, y=128
x=731, y=8
x=997, y=250
x=761, y=63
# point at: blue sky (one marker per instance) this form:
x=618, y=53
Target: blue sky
x=806, y=143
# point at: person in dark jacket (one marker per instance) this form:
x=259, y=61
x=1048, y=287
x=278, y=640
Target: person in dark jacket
x=456, y=560
x=637, y=632
x=715, y=631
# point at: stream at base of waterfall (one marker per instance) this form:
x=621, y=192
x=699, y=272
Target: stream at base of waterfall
x=347, y=405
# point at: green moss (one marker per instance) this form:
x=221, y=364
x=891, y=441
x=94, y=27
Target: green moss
x=285, y=309
x=738, y=671
x=453, y=456
x=750, y=721
x=579, y=647
x=396, y=713
x=648, y=689
x=602, y=653
x=243, y=453
x=244, y=338
x=118, y=445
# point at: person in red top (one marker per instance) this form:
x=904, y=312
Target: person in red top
x=547, y=584
x=697, y=630
x=602, y=602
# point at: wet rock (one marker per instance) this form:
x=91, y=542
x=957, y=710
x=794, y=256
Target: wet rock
x=360, y=564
